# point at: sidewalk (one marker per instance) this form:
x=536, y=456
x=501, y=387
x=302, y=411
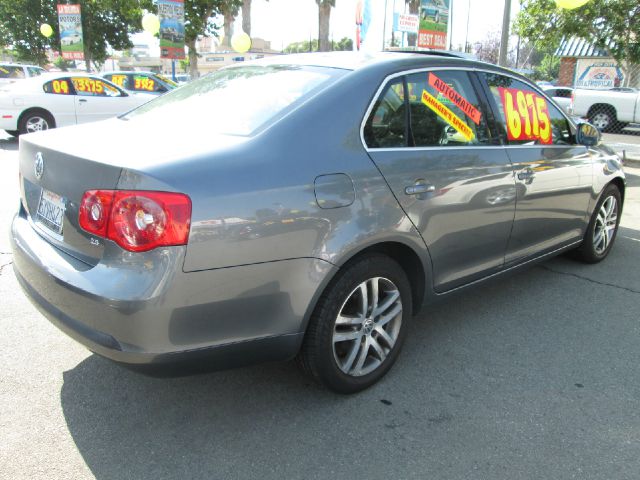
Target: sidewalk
x=627, y=145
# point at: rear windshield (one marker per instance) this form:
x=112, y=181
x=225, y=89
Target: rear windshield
x=237, y=100
x=11, y=71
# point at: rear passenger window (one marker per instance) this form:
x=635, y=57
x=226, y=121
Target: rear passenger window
x=525, y=115
x=445, y=110
x=58, y=87
x=386, y=126
x=119, y=79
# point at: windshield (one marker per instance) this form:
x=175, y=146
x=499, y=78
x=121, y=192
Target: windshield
x=236, y=100
x=167, y=80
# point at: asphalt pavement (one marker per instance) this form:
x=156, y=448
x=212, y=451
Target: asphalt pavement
x=626, y=144
x=530, y=377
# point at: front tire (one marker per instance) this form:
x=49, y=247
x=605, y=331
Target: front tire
x=603, y=227
x=358, y=326
x=35, y=121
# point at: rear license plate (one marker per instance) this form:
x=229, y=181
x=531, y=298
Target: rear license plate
x=51, y=211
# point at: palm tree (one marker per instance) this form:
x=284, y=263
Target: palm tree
x=324, y=17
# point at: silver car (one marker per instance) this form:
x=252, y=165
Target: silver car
x=303, y=206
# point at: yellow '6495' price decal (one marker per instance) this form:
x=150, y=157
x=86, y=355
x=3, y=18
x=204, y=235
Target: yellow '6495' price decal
x=527, y=115
x=88, y=85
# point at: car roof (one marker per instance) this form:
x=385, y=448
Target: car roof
x=383, y=63
x=34, y=84
x=9, y=64
x=127, y=72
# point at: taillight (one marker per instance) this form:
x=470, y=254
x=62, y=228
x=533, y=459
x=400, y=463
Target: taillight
x=137, y=220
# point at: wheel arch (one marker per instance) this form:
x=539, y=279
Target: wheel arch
x=416, y=268
x=602, y=107
x=36, y=109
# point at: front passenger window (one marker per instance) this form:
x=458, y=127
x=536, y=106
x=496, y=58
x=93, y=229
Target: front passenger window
x=525, y=115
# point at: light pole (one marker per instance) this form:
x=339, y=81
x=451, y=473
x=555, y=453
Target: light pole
x=504, y=41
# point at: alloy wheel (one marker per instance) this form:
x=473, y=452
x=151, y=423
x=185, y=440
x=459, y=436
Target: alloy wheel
x=367, y=326
x=36, y=124
x=606, y=224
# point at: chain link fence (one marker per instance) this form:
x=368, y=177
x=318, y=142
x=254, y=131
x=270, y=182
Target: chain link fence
x=605, y=95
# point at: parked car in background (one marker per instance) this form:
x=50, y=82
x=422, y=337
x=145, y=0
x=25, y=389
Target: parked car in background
x=60, y=99
x=141, y=82
x=183, y=78
x=560, y=95
x=609, y=110
x=332, y=197
x=12, y=72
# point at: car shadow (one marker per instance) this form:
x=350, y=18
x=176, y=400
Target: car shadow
x=467, y=364
x=10, y=143
x=632, y=180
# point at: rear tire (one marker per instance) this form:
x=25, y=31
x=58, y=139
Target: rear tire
x=13, y=133
x=603, y=119
x=35, y=121
x=359, y=325
x=603, y=227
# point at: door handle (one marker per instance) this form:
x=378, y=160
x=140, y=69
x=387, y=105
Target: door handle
x=82, y=100
x=419, y=188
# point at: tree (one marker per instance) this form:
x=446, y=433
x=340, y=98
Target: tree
x=345, y=43
x=20, y=22
x=324, y=18
x=611, y=25
x=104, y=23
x=197, y=16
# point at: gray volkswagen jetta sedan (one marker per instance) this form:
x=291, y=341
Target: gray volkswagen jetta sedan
x=303, y=206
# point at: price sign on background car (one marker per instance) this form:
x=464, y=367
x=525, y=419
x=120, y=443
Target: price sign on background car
x=526, y=114
x=144, y=83
x=88, y=85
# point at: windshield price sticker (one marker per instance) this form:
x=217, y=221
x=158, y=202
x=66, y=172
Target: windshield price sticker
x=527, y=115
x=144, y=83
x=458, y=100
x=88, y=85
x=447, y=115
x=119, y=79
x=60, y=87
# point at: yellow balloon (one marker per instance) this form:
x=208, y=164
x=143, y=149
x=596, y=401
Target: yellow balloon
x=151, y=23
x=46, y=30
x=570, y=4
x=241, y=42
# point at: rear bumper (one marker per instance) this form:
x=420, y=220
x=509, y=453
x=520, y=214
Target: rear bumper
x=153, y=313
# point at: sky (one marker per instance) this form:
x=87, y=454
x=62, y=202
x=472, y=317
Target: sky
x=286, y=21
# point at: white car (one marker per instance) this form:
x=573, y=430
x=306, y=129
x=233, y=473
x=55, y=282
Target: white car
x=560, y=95
x=12, y=72
x=64, y=98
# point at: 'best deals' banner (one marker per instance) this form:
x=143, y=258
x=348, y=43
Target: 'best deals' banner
x=434, y=24
x=171, y=15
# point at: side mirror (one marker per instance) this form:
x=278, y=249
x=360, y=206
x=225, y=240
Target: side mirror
x=587, y=135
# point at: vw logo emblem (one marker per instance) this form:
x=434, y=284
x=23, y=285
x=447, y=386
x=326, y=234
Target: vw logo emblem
x=39, y=166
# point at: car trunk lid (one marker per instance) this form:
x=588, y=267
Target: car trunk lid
x=53, y=181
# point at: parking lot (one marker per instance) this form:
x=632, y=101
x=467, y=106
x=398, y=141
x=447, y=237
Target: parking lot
x=532, y=376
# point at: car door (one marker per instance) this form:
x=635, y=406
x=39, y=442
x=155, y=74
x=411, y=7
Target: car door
x=553, y=173
x=59, y=99
x=97, y=99
x=429, y=135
